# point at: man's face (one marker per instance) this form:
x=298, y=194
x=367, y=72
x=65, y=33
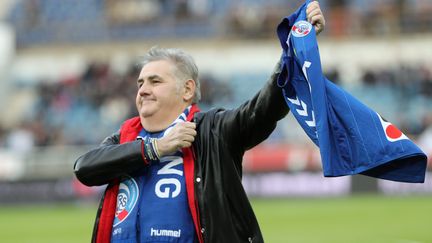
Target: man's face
x=159, y=96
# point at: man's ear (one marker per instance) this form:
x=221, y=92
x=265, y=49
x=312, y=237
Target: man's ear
x=189, y=90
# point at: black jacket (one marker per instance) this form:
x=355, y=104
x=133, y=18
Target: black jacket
x=223, y=136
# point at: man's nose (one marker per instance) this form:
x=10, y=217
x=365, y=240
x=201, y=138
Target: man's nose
x=145, y=89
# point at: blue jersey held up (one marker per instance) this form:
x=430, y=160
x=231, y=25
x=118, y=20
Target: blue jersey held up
x=352, y=138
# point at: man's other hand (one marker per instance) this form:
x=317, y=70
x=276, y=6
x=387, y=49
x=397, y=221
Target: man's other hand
x=315, y=16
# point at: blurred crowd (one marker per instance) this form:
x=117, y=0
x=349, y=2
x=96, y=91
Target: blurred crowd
x=72, y=110
x=378, y=17
x=50, y=21
x=405, y=92
x=144, y=12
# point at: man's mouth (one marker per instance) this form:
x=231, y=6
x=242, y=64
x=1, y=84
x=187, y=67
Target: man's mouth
x=147, y=100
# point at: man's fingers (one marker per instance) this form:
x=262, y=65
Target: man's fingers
x=187, y=129
x=318, y=23
x=314, y=13
x=190, y=132
x=181, y=135
x=316, y=20
x=183, y=127
x=185, y=124
x=188, y=138
x=189, y=124
x=186, y=144
x=315, y=16
x=312, y=6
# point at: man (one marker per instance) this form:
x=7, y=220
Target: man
x=174, y=173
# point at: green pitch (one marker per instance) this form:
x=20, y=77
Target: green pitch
x=368, y=219
x=340, y=220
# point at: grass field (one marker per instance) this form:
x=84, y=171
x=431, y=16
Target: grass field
x=352, y=219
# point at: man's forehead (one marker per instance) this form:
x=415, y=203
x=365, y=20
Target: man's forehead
x=156, y=68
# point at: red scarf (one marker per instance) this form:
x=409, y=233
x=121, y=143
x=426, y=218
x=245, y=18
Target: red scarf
x=128, y=132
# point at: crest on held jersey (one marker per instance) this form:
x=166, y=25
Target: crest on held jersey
x=127, y=198
x=301, y=28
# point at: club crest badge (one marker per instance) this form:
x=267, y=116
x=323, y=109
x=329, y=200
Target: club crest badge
x=126, y=200
x=301, y=28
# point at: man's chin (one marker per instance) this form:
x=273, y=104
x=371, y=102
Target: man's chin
x=147, y=113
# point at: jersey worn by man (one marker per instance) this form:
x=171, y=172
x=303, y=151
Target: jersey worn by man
x=152, y=205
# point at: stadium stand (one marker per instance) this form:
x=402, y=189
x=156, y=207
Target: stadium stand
x=68, y=21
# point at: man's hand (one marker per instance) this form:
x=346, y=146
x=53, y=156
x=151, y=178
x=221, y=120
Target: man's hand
x=180, y=136
x=315, y=16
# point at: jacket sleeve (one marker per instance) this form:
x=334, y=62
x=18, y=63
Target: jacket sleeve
x=254, y=120
x=109, y=161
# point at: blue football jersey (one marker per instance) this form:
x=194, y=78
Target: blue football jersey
x=352, y=138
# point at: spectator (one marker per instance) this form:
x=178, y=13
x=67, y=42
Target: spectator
x=21, y=139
